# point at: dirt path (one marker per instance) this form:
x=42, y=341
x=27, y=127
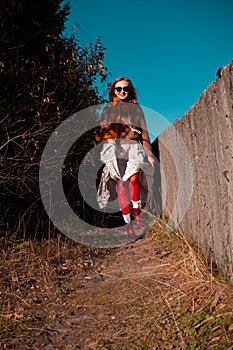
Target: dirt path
x=152, y=294
x=106, y=307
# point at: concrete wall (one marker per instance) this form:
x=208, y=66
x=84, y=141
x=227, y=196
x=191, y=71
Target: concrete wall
x=196, y=159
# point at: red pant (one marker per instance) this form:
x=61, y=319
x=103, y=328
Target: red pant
x=128, y=190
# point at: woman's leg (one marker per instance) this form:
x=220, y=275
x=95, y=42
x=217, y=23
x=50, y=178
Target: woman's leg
x=135, y=196
x=123, y=197
x=124, y=203
x=134, y=186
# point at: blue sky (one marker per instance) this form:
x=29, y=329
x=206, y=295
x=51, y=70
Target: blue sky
x=170, y=49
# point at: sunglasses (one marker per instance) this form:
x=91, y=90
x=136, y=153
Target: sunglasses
x=124, y=88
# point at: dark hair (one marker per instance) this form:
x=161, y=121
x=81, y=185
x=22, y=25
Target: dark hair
x=132, y=96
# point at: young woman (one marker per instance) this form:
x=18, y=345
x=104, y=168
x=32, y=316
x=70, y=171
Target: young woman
x=126, y=148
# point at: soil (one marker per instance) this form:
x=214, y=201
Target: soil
x=155, y=293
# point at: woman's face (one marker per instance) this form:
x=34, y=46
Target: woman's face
x=122, y=89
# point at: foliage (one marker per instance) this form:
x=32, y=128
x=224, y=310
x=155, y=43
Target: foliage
x=45, y=78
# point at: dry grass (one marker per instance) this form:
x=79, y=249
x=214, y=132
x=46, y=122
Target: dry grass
x=155, y=294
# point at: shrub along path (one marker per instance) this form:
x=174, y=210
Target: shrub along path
x=153, y=294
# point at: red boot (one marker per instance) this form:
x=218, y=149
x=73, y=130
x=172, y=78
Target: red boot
x=130, y=232
x=138, y=219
